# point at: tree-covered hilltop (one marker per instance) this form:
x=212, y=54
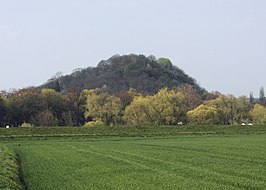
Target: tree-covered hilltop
x=120, y=73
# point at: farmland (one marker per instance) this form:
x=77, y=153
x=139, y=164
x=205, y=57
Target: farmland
x=125, y=131
x=230, y=158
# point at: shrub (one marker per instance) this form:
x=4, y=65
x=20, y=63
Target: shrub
x=94, y=123
x=26, y=125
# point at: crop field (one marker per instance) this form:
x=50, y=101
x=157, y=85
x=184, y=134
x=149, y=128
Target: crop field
x=175, y=162
x=125, y=131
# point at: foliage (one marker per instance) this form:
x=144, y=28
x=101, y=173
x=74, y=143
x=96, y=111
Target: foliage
x=9, y=170
x=259, y=114
x=23, y=105
x=203, y=115
x=120, y=73
x=231, y=110
x=94, y=123
x=45, y=118
x=262, y=98
x=3, y=111
x=192, y=97
x=26, y=125
x=166, y=107
x=54, y=102
x=104, y=107
x=138, y=112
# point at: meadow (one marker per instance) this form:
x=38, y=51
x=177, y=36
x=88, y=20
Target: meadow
x=210, y=158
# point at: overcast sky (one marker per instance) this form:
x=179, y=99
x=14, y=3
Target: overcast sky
x=220, y=43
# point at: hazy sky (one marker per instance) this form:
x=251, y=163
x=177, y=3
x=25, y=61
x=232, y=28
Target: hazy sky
x=220, y=43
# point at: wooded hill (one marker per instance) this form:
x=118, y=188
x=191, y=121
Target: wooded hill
x=120, y=73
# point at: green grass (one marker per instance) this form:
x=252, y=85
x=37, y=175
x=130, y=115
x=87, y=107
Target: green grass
x=125, y=131
x=9, y=170
x=180, y=162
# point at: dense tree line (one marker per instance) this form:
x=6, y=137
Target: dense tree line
x=181, y=104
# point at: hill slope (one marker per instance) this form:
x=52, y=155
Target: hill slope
x=119, y=73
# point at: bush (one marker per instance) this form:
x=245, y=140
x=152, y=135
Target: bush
x=94, y=123
x=26, y=125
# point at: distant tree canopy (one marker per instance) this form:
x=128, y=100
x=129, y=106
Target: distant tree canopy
x=47, y=107
x=120, y=73
x=130, y=89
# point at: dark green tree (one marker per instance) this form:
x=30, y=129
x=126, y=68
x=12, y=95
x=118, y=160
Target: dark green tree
x=3, y=111
x=251, y=98
x=262, y=99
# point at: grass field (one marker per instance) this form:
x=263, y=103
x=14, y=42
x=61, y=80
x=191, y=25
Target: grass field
x=177, y=162
x=125, y=131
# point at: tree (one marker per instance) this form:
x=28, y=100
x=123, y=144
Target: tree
x=166, y=107
x=259, y=114
x=73, y=114
x=152, y=58
x=165, y=63
x=3, y=111
x=204, y=115
x=127, y=97
x=138, y=112
x=262, y=98
x=104, y=107
x=251, y=98
x=23, y=105
x=192, y=97
x=54, y=102
x=231, y=110
x=44, y=118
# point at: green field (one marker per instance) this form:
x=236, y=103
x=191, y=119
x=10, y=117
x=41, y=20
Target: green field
x=125, y=131
x=197, y=162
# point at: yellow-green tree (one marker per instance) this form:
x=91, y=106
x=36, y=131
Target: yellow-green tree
x=231, y=110
x=166, y=107
x=55, y=103
x=259, y=114
x=103, y=107
x=139, y=111
x=203, y=115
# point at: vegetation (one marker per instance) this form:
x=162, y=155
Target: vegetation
x=195, y=162
x=9, y=170
x=120, y=73
x=166, y=107
x=47, y=107
x=127, y=90
x=125, y=131
x=204, y=115
x=104, y=108
x=259, y=114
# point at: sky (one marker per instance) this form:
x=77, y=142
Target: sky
x=220, y=43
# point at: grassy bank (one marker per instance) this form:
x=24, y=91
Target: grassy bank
x=9, y=170
x=127, y=131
